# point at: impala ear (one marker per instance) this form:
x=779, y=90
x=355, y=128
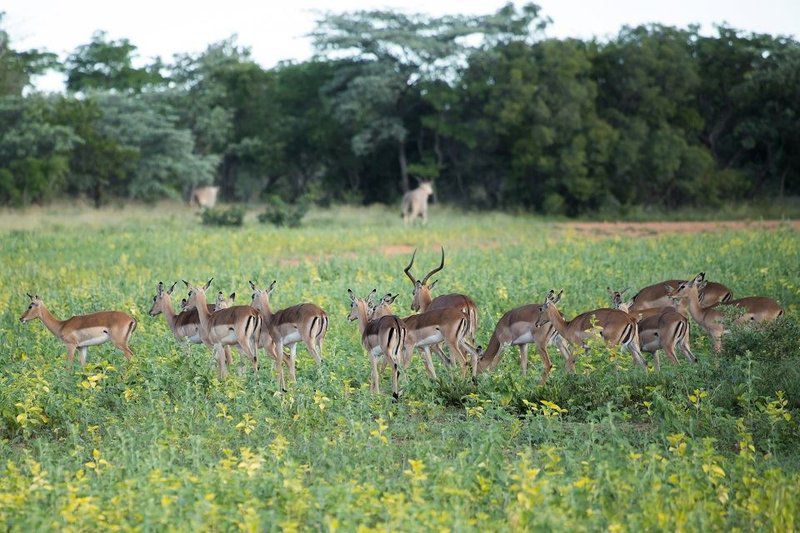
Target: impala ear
x=186, y=283
x=271, y=286
x=232, y=296
x=394, y=297
x=252, y=285
x=433, y=283
x=208, y=284
x=160, y=287
x=29, y=295
x=558, y=296
x=351, y=295
x=169, y=291
x=371, y=295
x=624, y=291
x=702, y=285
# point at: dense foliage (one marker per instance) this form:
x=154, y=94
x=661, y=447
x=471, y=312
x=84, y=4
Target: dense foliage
x=160, y=443
x=495, y=112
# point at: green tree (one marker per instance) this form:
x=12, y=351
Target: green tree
x=17, y=67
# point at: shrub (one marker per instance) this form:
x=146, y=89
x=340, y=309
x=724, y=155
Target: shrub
x=280, y=213
x=769, y=341
x=231, y=216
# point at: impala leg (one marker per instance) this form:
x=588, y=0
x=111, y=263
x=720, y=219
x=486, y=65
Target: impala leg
x=82, y=356
x=548, y=365
x=395, y=381
x=459, y=355
x=686, y=349
x=71, y=354
x=474, y=357
x=523, y=359
x=311, y=345
x=228, y=356
x=669, y=349
x=375, y=381
x=437, y=349
x=219, y=353
x=293, y=362
x=428, y=362
x=278, y=356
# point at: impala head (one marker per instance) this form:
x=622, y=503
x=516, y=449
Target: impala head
x=422, y=291
x=687, y=289
x=548, y=310
x=383, y=307
x=191, y=299
x=223, y=303
x=617, y=300
x=261, y=296
x=427, y=186
x=360, y=305
x=161, y=299
x=34, y=309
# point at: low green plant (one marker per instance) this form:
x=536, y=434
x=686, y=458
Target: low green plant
x=223, y=216
x=283, y=214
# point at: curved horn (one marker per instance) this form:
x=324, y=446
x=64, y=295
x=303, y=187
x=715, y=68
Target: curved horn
x=435, y=270
x=407, y=270
x=169, y=291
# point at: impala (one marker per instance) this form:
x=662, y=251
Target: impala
x=617, y=328
x=82, y=331
x=415, y=203
x=184, y=325
x=422, y=300
x=381, y=337
x=756, y=308
x=659, y=328
x=657, y=295
x=235, y=326
x=426, y=330
x=519, y=327
x=305, y=322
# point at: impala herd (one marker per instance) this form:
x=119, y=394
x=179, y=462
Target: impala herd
x=656, y=318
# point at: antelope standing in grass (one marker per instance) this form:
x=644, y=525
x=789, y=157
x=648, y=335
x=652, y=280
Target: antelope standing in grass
x=423, y=301
x=305, y=322
x=82, y=331
x=204, y=197
x=234, y=326
x=383, y=337
x=428, y=329
x=756, y=308
x=659, y=328
x=617, y=327
x=184, y=325
x=519, y=327
x=415, y=203
x=655, y=296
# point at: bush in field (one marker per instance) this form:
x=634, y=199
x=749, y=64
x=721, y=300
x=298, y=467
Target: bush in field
x=280, y=213
x=230, y=216
x=770, y=341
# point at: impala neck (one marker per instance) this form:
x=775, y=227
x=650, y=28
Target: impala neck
x=362, y=317
x=50, y=322
x=169, y=312
x=265, y=307
x=424, y=299
x=558, y=321
x=695, y=309
x=202, y=309
x=494, y=346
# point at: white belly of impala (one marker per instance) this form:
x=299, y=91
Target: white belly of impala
x=432, y=339
x=525, y=338
x=93, y=337
x=376, y=352
x=194, y=338
x=292, y=337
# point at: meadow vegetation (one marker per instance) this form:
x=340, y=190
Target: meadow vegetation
x=161, y=443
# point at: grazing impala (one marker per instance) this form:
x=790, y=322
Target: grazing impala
x=659, y=328
x=657, y=295
x=381, y=337
x=756, y=308
x=428, y=329
x=415, y=203
x=82, y=331
x=184, y=325
x=235, y=326
x=617, y=328
x=305, y=322
x=423, y=302
x=518, y=327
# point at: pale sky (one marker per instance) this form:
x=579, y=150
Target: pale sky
x=276, y=30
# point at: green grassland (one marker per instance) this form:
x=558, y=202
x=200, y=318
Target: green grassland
x=160, y=443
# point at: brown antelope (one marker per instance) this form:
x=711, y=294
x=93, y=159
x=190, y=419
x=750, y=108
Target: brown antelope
x=383, y=337
x=617, y=328
x=518, y=327
x=422, y=300
x=234, y=326
x=756, y=308
x=659, y=328
x=184, y=325
x=82, y=331
x=305, y=322
x=415, y=203
x=430, y=328
x=204, y=197
x=655, y=296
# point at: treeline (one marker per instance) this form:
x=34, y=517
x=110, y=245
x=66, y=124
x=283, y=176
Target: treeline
x=495, y=113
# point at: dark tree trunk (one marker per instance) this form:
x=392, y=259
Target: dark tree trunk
x=401, y=156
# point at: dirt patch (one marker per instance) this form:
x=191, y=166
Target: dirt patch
x=397, y=249
x=638, y=229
